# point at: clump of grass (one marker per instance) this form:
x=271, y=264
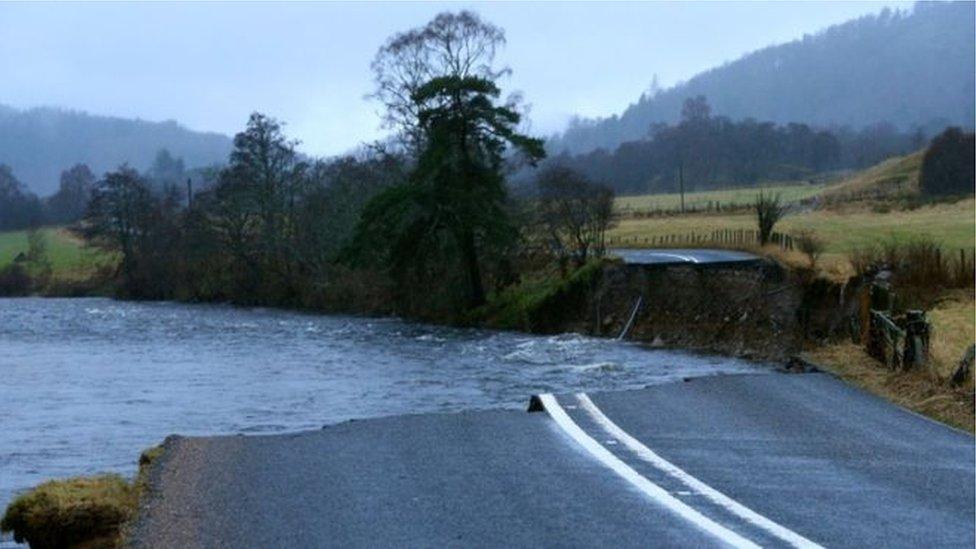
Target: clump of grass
x=914, y=389
x=71, y=512
x=953, y=331
x=82, y=512
x=809, y=243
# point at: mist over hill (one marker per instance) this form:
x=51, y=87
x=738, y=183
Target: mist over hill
x=907, y=68
x=39, y=143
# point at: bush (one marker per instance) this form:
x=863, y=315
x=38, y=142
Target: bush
x=540, y=306
x=921, y=269
x=810, y=244
x=65, y=513
x=769, y=211
x=14, y=280
x=948, y=165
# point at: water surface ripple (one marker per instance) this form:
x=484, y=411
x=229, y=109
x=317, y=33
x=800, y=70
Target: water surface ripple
x=85, y=384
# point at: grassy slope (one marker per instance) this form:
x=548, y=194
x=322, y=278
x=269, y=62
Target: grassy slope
x=844, y=225
x=893, y=177
x=727, y=197
x=70, y=259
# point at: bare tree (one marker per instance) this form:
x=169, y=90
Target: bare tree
x=119, y=216
x=451, y=45
x=769, y=210
x=574, y=212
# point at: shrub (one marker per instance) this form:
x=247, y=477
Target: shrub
x=542, y=305
x=769, y=211
x=921, y=269
x=14, y=280
x=948, y=165
x=810, y=244
x=863, y=259
x=65, y=513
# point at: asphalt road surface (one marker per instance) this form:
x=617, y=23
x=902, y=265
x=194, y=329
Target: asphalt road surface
x=772, y=460
x=677, y=256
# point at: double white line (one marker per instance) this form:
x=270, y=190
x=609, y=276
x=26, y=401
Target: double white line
x=657, y=493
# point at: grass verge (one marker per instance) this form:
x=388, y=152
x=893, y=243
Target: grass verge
x=915, y=390
x=924, y=391
x=81, y=512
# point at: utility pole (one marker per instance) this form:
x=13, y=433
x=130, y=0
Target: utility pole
x=681, y=182
x=189, y=193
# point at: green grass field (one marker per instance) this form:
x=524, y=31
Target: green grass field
x=951, y=225
x=69, y=258
x=845, y=222
x=726, y=197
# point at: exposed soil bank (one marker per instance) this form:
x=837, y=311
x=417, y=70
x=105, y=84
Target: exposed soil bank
x=750, y=309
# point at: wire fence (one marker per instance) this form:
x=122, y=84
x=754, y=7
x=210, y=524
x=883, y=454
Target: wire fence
x=720, y=237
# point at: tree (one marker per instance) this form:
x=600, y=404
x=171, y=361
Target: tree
x=70, y=202
x=769, y=211
x=256, y=199
x=695, y=109
x=19, y=208
x=338, y=191
x=37, y=255
x=574, y=212
x=456, y=190
x=948, y=164
x=166, y=171
x=438, y=85
x=458, y=45
x=119, y=218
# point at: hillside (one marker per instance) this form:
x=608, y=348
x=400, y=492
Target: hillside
x=914, y=68
x=38, y=143
x=893, y=178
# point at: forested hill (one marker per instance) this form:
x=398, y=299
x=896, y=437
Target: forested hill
x=39, y=143
x=914, y=68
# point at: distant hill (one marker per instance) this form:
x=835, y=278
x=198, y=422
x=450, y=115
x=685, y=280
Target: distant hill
x=38, y=143
x=908, y=68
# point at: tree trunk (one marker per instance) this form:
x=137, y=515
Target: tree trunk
x=476, y=293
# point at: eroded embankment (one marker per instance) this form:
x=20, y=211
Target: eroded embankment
x=753, y=309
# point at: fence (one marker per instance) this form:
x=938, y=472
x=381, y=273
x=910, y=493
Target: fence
x=894, y=340
x=709, y=206
x=720, y=237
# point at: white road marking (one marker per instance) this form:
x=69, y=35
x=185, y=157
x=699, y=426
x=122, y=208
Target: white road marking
x=685, y=258
x=698, y=486
x=654, y=491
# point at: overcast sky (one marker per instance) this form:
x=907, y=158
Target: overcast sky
x=209, y=65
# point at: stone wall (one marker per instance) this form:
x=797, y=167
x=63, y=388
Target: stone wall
x=750, y=309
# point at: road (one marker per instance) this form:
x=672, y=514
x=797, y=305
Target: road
x=774, y=460
x=667, y=256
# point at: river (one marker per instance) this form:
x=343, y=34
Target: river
x=86, y=384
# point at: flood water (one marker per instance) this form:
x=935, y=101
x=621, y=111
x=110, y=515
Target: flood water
x=86, y=384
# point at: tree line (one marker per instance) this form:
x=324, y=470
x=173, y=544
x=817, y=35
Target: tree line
x=703, y=152
x=914, y=68
x=422, y=224
x=22, y=209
